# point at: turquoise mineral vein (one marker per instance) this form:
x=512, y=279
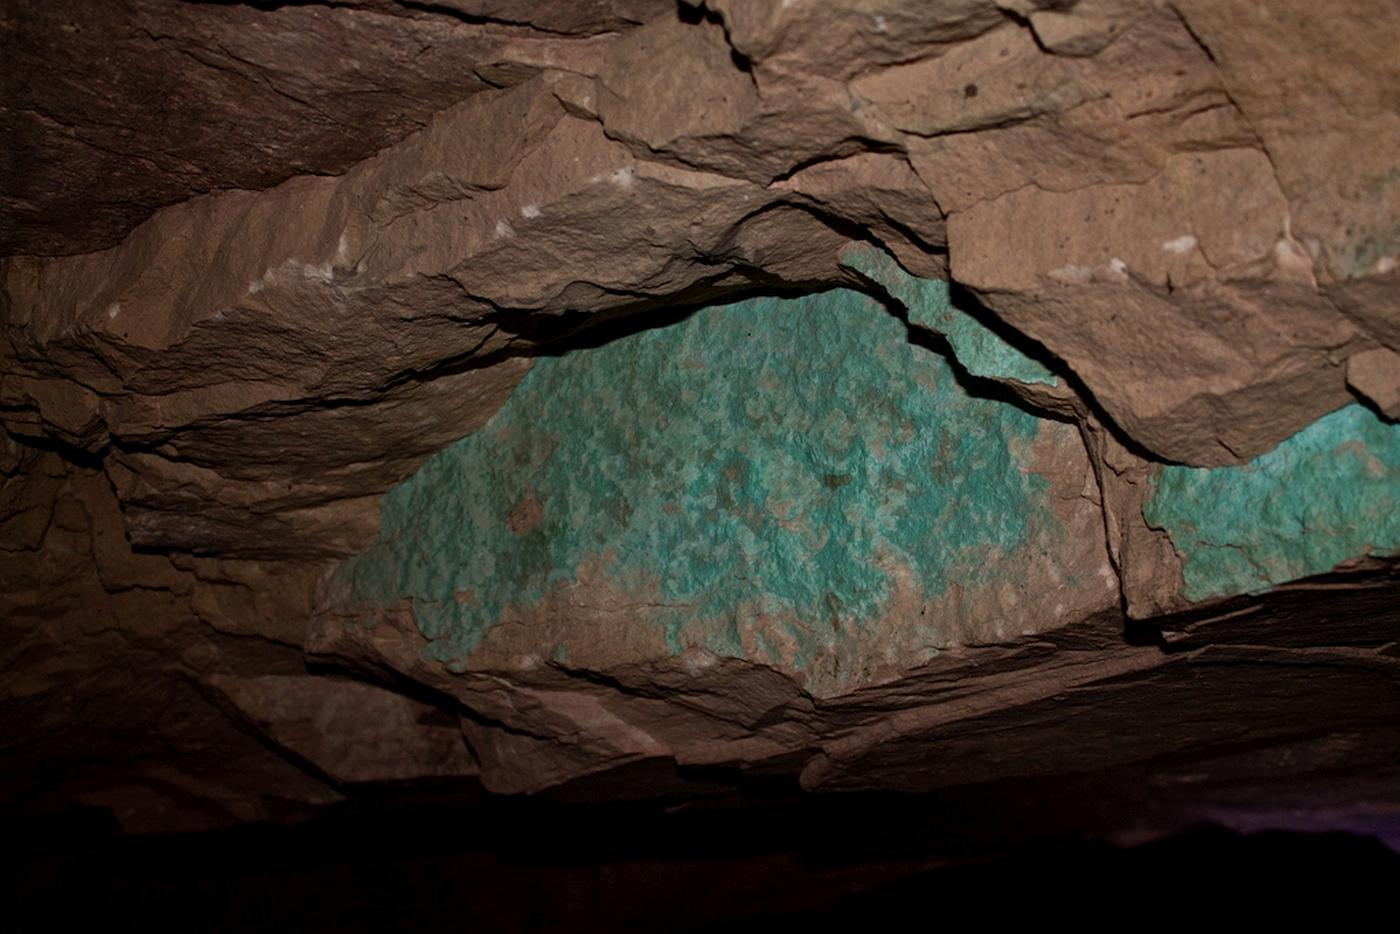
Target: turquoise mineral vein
x=773, y=454
x=930, y=303
x=1329, y=493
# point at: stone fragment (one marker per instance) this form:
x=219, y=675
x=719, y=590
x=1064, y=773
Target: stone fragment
x=1073, y=33
x=980, y=350
x=1306, y=77
x=1108, y=277
x=146, y=103
x=1375, y=375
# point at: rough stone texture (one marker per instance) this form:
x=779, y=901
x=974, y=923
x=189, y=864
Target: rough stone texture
x=109, y=657
x=789, y=482
x=1328, y=494
x=351, y=731
x=928, y=304
x=113, y=110
x=1375, y=376
x=1119, y=266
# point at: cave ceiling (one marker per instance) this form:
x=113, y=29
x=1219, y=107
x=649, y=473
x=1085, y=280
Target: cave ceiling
x=859, y=396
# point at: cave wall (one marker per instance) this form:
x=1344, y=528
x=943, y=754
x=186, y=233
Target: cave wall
x=517, y=395
x=793, y=482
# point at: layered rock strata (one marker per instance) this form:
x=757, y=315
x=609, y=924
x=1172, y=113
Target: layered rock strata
x=744, y=385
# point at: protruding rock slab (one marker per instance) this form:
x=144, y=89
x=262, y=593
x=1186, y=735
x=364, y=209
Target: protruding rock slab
x=351, y=731
x=1375, y=376
x=113, y=110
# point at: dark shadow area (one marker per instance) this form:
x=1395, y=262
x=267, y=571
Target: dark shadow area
x=1069, y=878
x=78, y=457
x=1376, y=410
x=695, y=14
x=1327, y=610
x=871, y=864
x=591, y=330
x=581, y=330
x=1096, y=793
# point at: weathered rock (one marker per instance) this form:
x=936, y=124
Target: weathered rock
x=107, y=655
x=982, y=354
x=113, y=111
x=808, y=390
x=1327, y=118
x=1326, y=496
x=1375, y=376
x=351, y=731
x=477, y=245
x=1106, y=278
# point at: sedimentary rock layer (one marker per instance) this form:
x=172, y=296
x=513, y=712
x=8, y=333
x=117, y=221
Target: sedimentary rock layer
x=460, y=389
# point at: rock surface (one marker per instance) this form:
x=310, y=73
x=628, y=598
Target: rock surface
x=523, y=393
x=115, y=110
x=788, y=482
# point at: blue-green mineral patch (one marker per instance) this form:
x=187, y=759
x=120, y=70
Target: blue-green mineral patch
x=1329, y=493
x=774, y=458
x=930, y=304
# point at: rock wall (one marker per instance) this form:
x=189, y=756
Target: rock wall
x=792, y=482
x=742, y=385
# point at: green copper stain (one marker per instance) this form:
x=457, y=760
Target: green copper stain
x=775, y=455
x=1329, y=493
x=930, y=305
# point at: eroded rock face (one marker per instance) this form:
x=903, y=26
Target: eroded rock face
x=767, y=386
x=1326, y=495
x=113, y=111
x=790, y=482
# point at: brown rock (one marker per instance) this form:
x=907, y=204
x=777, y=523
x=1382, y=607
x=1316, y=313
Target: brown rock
x=261, y=260
x=350, y=731
x=112, y=112
x=1375, y=375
